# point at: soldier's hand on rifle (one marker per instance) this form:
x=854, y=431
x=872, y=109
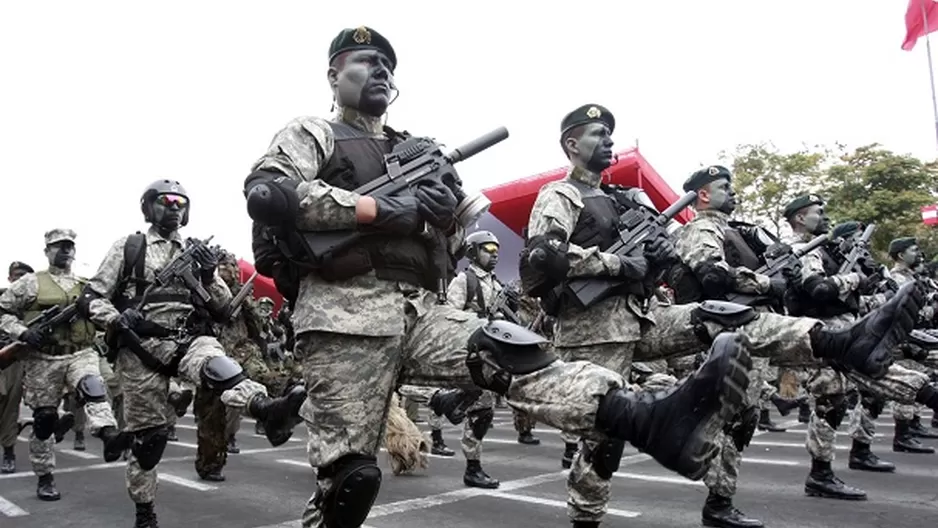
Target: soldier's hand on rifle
x=660, y=251
x=777, y=287
x=869, y=284
x=397, y=214
x=438, y=203
x=129, y=319
x=32, y=337
x=208, y=262
x=792, y=274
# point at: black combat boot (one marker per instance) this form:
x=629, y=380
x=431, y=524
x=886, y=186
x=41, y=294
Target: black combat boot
x=866, y=346
x=585, y=524
x=822, y=482
x=804, y=412
x=63, y=425
x=920, y=430
x=180, y=401
x=934, y=420
x=905, y=442
x=528, y=439
x=784, y=406
x=278, y=415
x=146, y=517
x=476, y=477
x=45, y=490
x=766, y=423
x=171, y=433
x=569, y=453
x=439, y=446
x=865, y=460
x=677, y=427
x=719, y=512
x=233, y=445
x=213, y=476
x=9, y=461
x=116, y=444
x=452, y=403
x=79, y=444
x=258, y=428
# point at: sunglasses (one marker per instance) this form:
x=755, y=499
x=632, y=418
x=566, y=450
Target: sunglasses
x=167, y=200
x=489, y=247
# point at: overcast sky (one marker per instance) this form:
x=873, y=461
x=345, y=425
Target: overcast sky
x=100, y=98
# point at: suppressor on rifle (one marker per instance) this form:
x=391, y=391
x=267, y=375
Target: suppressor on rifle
x=477, y=145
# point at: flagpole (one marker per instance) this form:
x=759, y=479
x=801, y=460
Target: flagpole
x=931, y=71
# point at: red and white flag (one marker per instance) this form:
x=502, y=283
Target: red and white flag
x=915, y=16
x=930, y=214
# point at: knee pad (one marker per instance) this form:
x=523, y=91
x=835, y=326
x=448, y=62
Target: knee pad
x=221, y=373
x=148, y=446
x=480, y=421
x=833, y=409
x=516, y=351
x=607, y=456
x=44, y=421
x=91, y=389
x=356, y=480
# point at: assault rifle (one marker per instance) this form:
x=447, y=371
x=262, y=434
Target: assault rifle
x=234, y=306
x=636, y=227
x=410, y=162
x=501, y=305
x=860, y=250
x=45, y=323
x=777, y=263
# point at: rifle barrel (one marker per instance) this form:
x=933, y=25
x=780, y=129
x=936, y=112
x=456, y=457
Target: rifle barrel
x=477, y=145
x=679, y=205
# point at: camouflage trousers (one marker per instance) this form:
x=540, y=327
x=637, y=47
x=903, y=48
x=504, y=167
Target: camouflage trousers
x=421, y=396
x=765, y=375
x=211, y=429
x=350, y=380
x=524, y=422
x=472, y=445
x=11, y=393
x=146, y=393
x=906, y=411
x=45, y=381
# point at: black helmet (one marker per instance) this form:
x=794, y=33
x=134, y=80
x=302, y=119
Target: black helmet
x=162, y=187
x=477, y=239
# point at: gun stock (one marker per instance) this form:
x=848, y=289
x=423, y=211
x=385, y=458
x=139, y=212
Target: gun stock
x=775, y=268
x=638, y=226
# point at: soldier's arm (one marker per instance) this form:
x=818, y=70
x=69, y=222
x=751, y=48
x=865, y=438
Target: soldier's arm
x=456, y=291
x=95, y=302
x=556, y=212
x=219, y=290
x=14, y=301
x=300, y=151
x=818, y=285
x=700, y=246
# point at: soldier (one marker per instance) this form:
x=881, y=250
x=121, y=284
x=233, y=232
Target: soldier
x=11, y=391
x=574, y=221
x=165, y=332
x=61, y=360
x=906, y=257
x=835, y=298
x=367, y=318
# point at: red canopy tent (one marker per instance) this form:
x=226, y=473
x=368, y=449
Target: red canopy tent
x=511, y=207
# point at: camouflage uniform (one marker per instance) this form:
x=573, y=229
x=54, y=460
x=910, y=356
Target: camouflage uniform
x=361, y=337
x=146, y=391
x=901, y=273
x=11, y=393
x=57, y=368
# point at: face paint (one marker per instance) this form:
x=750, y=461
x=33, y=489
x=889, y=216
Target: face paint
x=61, y=254
x=816, y=221
x=168, y=210
x=912, y=256
x=364, y=81
x=593, y=149
x=722, y=196
x=487, y=256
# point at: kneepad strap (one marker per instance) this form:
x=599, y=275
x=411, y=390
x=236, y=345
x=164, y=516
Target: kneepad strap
x=356, y=480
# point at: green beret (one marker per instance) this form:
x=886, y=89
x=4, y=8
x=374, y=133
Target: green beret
x=901, y=244
x=706, y=175
x=800, y=203
x=361, y=38
x=846, y=229
x=588, y=113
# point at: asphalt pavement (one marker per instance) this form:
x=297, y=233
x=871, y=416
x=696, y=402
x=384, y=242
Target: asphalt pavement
x=267, y=487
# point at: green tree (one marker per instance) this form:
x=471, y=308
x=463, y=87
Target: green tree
x=765, y=180
x=873, y=184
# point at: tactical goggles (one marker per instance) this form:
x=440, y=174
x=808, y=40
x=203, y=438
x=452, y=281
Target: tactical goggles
x=489, y=247
x=167, y=200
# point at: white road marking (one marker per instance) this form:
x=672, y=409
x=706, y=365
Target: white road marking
x=198, y=486
x=555, y=503
x=80, y=454
x=770, y=462
x=659, y=478
x=765, y=443
x=291, y=462
x=9, y=509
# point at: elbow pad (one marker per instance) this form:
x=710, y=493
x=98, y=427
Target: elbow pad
x=271, y=197
x=548, y=255
x=821, y=289
x=714, y=280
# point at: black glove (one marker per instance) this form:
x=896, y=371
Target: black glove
x=777, y=287
x=32, y=337
x=208, y=262
x=398, y=214
x=660, y=251
x=438, y=203
x=633, y=268
x=271, y=198
x=868, y=284
x=129, y=319
x=792, y=274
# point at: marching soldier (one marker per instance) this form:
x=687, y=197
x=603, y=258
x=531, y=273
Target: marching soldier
x=11, y=392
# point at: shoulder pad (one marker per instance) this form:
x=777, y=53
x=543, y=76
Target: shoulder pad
x=511, y=333
x=923, y=339
x=566, y=190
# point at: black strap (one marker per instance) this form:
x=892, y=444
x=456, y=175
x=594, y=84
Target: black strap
x=135, y=252
x=473, y=290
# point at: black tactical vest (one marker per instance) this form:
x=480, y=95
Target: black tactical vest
x=357, y=160
x=736, y=251
x=803, y=305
